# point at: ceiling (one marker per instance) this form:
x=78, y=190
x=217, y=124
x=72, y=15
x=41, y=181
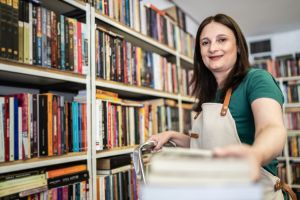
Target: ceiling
x=255, y=17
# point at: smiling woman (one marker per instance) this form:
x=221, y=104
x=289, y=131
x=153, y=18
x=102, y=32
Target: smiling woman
x=231, y=98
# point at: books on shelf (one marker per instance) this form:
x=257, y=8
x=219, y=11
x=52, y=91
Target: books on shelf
x=35, y=35
x=34, y=125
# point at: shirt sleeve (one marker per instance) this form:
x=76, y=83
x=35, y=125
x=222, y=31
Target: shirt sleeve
x=261, y=84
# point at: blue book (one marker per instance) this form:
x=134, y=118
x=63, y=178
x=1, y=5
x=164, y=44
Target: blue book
x=80, y=126
x=62, y=42
x=16, y=129
x=75, y=126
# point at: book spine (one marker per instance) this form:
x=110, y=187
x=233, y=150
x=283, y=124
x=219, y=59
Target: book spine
x=39, y=39
x=15, y=27
x=54, y=45
x=68, y=179
x=43, y=128
x=16, y=129
x=34, y=35
x=62, y=42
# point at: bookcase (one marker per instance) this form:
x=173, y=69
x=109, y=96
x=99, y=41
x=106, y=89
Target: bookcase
x=286, y=70
x=80, y=81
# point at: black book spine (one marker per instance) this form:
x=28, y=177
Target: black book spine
x=15, y=29
x=34, y=35
x=3, y=29
x=104, y=124
x=67, y=48
x=43, y=125
x=67, y=179
x=9, y=24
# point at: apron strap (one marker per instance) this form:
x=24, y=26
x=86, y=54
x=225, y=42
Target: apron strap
x=283, y=186
x=226, y=102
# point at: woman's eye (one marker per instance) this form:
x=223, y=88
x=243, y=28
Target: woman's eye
x=222, y=40
x=204, y=43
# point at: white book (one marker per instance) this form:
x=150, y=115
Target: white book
x=131, y=126
x=99, y=136
x=2, y=153
x=11, y=128
x=143, y=24
x=137, y=19
x=131, y=14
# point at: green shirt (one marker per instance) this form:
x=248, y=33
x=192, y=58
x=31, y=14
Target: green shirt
x=257, y=83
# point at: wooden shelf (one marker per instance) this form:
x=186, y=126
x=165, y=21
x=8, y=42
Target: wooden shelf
x=133, y=91
x=281, y=158
x=115, y=152
x=6, y=167
x=188, y=99
x=22, y=74
x=291, y=105
x=188, y=60
x=293, y=132
x=288, y=78
x=294, y=159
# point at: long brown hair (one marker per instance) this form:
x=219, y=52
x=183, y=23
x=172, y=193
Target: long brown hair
x=204, y=82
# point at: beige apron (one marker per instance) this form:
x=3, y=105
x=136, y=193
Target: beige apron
x=216, y=128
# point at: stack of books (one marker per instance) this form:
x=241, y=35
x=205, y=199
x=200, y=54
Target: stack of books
x=177, y=172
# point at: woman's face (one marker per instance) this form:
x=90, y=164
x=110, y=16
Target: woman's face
x=218, y=47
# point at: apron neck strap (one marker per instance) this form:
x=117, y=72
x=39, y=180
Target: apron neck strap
x=226, y=102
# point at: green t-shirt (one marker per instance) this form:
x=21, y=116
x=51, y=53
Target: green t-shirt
x=257, y=83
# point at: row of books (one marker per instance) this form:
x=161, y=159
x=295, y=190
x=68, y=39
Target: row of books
x=35, y=35
x=116, y=178
x=69, y=182
x=34, y=125
x=295, y=173
x=292, y=120
x=119, y=60
x=282, y=174
x=186, y=78
x=294, y=146
x=126, y=123
x=291, y=91
x=282, y=67
x=149, y=20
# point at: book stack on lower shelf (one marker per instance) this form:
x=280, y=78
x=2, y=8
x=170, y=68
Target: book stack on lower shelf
x=59, y=183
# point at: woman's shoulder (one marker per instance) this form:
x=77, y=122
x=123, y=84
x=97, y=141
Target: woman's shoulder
x=258, y=73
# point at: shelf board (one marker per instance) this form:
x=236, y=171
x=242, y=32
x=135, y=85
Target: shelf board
x=188, y=60
x=288, y=78
x=294, y=159
x=78, y=4
x=293, y=132
x=7, y=167
x=281, y=158
x=19, y=73
x=134, y=33
x=115, y=152
x=291, y=105
x=296, y=186
x=133, y=91
x=188, y=99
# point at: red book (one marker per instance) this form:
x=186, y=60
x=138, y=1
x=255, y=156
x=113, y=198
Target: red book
x=109, y=125
x=59, y=134
x=79, y=47
x=54, y=43
x=6, y=127
x=23, y=102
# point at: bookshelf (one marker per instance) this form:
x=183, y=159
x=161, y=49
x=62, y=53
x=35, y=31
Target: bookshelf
x=286, y=71
x=14, y=73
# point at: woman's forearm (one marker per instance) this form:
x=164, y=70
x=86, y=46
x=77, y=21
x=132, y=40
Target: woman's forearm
x=180, y=139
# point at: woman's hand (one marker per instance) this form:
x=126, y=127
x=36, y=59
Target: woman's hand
x=244, y=151
x=161, y=139
x=181, y=140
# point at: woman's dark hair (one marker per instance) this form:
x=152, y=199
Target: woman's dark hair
x=204, y=83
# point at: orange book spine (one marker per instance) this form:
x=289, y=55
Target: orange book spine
x=65, y=171
x=50, y=122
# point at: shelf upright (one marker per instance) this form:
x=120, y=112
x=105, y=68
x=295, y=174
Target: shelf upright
x=93, y=102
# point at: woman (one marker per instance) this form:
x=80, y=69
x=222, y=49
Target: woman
x=239, y=109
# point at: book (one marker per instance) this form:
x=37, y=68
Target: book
x=67, y=179
x=199, y=168
x=114, y=171
x=113, y=162
x=64, y=171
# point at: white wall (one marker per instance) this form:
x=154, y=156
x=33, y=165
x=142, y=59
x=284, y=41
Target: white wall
x=281, y=43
